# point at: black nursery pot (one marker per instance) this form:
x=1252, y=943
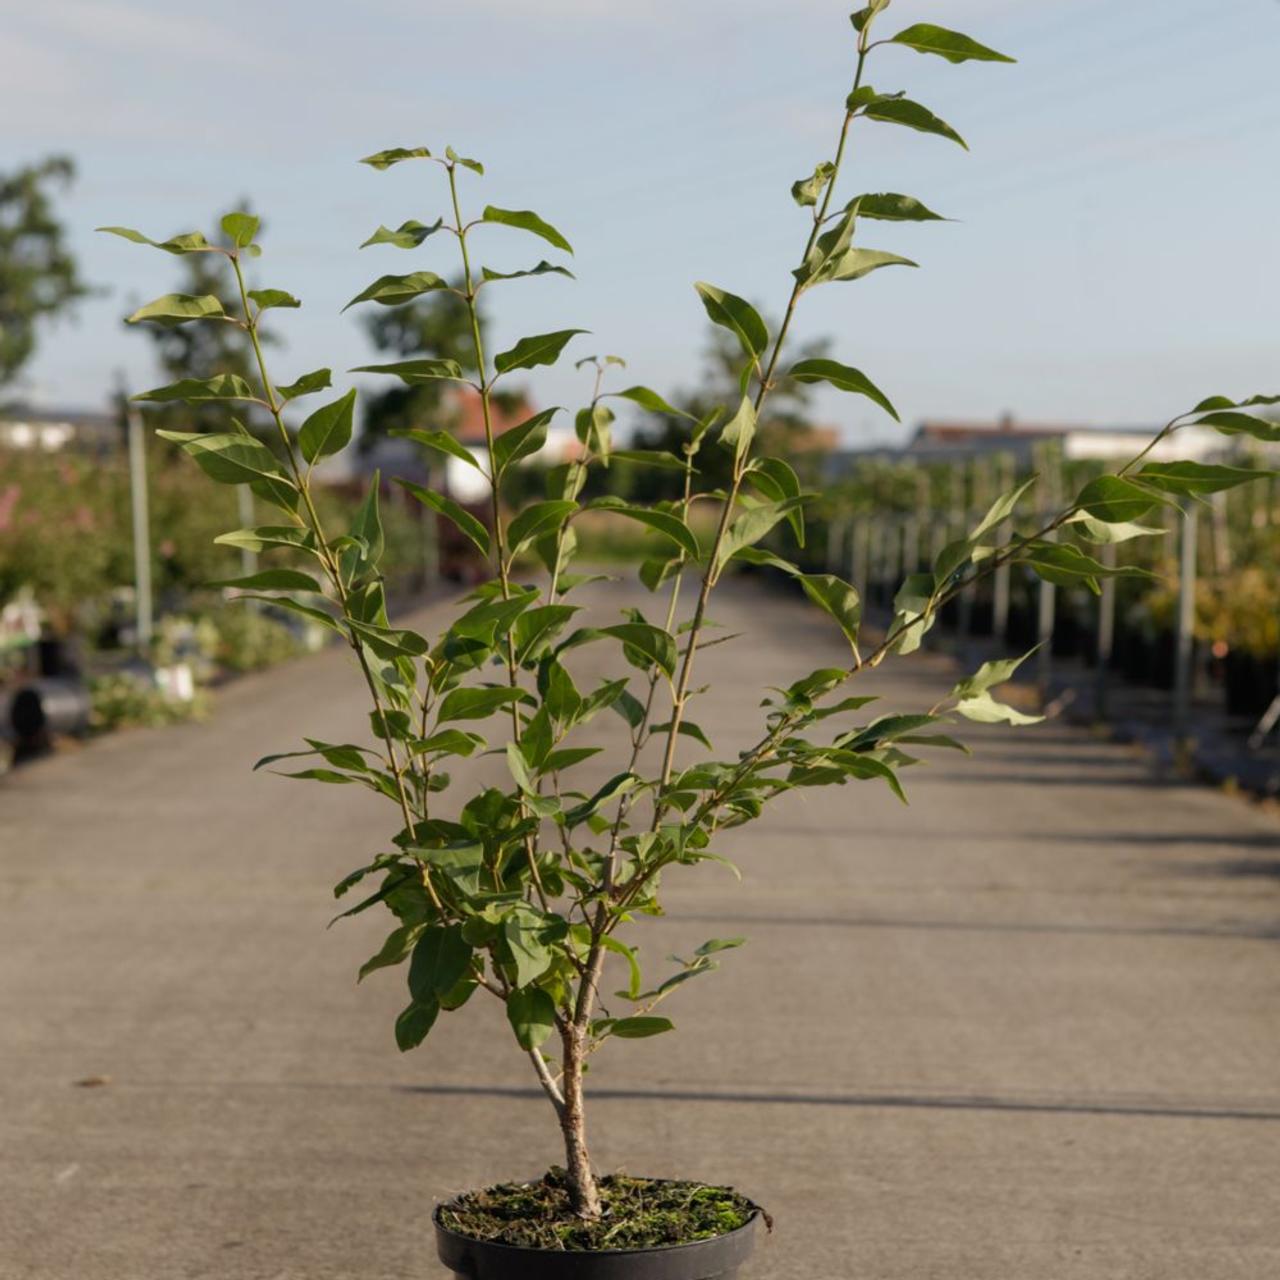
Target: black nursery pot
x=716, y=1259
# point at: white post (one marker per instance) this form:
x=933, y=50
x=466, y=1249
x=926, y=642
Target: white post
x=141, y=525
x=248, y=558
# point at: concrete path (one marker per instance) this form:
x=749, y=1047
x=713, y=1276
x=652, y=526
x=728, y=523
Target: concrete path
x=1026, y=1029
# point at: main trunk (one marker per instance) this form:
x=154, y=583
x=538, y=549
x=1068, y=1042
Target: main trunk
x=584, y=1195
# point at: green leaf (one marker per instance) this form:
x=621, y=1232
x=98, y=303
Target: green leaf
x=394, y=155
x=389, y=643
x=366, y=524
x=851, y=264
x=752, y=525
x=268, y=298
x=634, y=987
x=833, y=256
x=640, y=1027
x=522, y=440
x=415, y=373
x=645, y=646
x=536, y=519
x=895, y=110
x=843, y=378
x=889, y=206
x=534, y=629
x=308, y=384
x=864, y=768
x=864, y=15
x=266, y=537
x=1114, y=500
x=526, y=220
x=1225, y=402
x=178, y=308
x=474, y=165
x=326, y=620
x=806, y=192
x=924, y=37
x=1066, y=565
x=1101, y=532
x=987, y=677
x=452, y=742
x=1230, y=422
x=738, y=433
x=524, y=931
x=273, y=580
x=648, y=458
x=476, y=703
x=777, y=481
x=837, y=598
x=542, y=269
x=440, y=960
x=670, y=526
x=737, y=315
x=460, y=863
x=463, y=520
x=240, y=228
x=532, y=1015
x=415, y=1023
x=999, y=511
x=394, y=950
x=408, y=235
x=686, y=727
x=713, y=945
x=393, y=291
x=222, y=386
x=441, y=442
x=650, y=400
x=542, y=348
x=615, y=787
x=1192, y=479
x=913, y=613
x=519, y=769
x=237, y=459
x=594, y=427
x=984, y=709
x=328, y=430
x=191, y=242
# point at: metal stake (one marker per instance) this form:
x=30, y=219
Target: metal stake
x=1186, y=625
x=1106, y=634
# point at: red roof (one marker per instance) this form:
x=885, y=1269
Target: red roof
x=966, y=432
x=468, y=415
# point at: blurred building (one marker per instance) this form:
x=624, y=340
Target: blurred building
x=85, y=431
x=938, y=440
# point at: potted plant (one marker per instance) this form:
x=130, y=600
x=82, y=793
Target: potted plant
x=524, y=893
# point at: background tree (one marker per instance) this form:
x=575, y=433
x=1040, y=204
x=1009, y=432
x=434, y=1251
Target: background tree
x=437, y=327
x=39, y=277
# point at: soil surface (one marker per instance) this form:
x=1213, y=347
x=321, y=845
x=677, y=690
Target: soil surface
x=639, y=1213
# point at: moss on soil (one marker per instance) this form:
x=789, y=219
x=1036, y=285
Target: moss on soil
x=639, y=1213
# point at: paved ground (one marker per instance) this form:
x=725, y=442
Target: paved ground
x=1026, y=1029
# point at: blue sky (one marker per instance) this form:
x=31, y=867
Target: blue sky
x=1115, y=255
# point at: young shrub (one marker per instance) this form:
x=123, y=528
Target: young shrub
x=520, y=892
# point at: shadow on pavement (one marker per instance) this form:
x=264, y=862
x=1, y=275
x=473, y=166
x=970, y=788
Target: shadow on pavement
x=922, y=1102
x=1264, y=933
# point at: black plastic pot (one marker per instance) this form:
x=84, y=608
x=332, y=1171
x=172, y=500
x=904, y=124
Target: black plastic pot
x=715, y=1259
x=1250, y=683
x=47, y=707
